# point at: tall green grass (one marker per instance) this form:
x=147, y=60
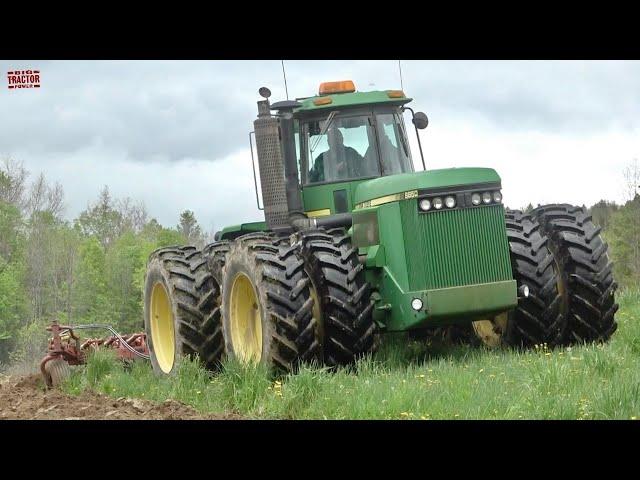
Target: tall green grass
x=408, y=380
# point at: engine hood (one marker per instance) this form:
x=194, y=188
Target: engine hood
x=446, y=177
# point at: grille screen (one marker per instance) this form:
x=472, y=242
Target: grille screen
x=455, y=247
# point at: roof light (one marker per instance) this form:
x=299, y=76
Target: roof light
x=343, y=86
x=322, y=101
x=395, y=94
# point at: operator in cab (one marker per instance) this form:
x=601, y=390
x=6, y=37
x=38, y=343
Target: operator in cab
x=339, y=162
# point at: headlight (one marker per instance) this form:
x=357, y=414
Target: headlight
x=486, y=197
x=425, y=204
x=416, y=304
x=437, y=203
x=497, y=196
x=450, y=202
x=476, y=199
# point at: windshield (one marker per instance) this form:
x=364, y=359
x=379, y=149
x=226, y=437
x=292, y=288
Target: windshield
x=341, y=148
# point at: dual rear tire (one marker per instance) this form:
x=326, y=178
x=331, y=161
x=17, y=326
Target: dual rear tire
x=585, y=272
x=267, y=307
x=558, y=252
x=259, y=299
x=181, y=312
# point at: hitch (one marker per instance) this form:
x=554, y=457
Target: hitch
x=65, y=349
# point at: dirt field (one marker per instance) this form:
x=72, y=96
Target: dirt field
x=25, y=398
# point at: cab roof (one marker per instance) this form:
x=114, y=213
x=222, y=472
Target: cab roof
x=354, y=99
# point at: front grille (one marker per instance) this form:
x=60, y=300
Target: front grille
x=455, y=247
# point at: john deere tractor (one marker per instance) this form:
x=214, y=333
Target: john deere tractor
x=356, y=243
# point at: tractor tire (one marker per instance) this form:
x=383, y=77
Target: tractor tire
x=538, y=319
x=586, y=272
x=346, y=308
x=187, y=318
x=267, y=305
x=57, y=371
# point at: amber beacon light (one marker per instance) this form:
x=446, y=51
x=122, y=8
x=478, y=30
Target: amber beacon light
x=343, y=86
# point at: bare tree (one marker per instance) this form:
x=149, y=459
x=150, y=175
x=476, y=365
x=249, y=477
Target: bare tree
x=55, y=200
x=45, y=198
x=13, y=177
x=37, y=195
x=133, y=215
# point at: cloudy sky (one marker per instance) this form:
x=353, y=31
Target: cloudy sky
x=174, y=134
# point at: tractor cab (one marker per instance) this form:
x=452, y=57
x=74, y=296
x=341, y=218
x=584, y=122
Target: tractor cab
x=343, y=138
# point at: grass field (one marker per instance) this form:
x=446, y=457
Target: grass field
x=409, y=380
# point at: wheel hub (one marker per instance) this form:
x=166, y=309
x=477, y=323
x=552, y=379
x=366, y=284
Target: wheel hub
x=491, y=332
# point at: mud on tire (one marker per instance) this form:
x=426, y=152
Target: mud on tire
x=194, y=296
x=345, y=304
x=281, y=286
x=586, y=270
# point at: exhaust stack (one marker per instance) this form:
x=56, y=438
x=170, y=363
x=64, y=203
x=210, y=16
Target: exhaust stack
x=271, y=165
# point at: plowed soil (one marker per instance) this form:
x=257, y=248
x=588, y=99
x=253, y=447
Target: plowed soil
x=26, y=398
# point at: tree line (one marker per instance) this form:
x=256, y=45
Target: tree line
x=86, y=270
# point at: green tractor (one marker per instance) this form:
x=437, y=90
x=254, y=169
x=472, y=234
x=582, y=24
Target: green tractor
x=356, y=243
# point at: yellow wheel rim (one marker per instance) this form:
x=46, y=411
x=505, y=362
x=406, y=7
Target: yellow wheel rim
x=162, y=329
x=492, y=331
x=245, y=321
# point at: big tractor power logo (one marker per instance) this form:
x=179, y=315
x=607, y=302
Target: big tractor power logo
x=23, y=79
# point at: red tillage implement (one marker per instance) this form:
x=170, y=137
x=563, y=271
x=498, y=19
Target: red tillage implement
x=66, y=349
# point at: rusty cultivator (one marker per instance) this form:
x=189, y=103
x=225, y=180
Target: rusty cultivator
x=65, y=348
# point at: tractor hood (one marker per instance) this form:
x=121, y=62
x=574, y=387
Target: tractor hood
x=446, y=177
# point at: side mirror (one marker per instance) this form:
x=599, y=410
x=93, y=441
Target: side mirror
x=420, y=120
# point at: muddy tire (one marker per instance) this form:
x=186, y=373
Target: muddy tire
x=57, y=371
x=586, y=272
x=184, y=295
x=539, y=318
x=266, y=304
x=347, y=326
